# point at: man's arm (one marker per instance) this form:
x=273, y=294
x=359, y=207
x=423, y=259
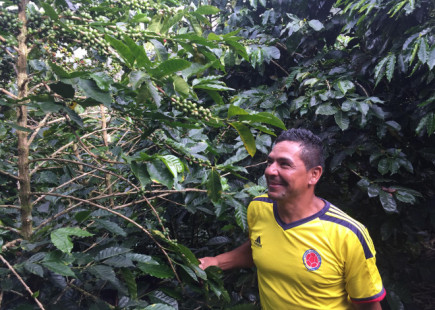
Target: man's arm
x=368, y=306
x=240, y=257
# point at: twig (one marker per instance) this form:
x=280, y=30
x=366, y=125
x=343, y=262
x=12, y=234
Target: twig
x=36, y=130
x=279, y=66
x=121, y=216
x=65, y=184
x=9, y=94
x=88, y=165
x=364, y=90
x=10, y=206
x=11, y=244
x=22, y=281
x=10, y=175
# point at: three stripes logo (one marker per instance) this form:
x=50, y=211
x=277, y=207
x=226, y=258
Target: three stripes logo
x=257, y=242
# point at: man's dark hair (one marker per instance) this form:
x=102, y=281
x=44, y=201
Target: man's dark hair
x=312, y=146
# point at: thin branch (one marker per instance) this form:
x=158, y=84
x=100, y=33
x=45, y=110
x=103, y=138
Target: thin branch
x=279, y=66
x=65, y=184
x=36, y=130
x=119, y=215
x=22, y=281
x=9, y=93
x=47, y=221
x=11, y=244
x=87, y=165
x=10, y=206
x=10, y=175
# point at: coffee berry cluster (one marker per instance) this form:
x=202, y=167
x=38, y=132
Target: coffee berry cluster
x=9, y=22
x=41, y=25
x=191, y=108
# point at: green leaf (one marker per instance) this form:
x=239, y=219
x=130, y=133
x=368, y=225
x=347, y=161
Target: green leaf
x=390, y=66
x=240, y=214
x=246, y=136
x=384, y=166
x=122, y=49
x=236, y=110
x=60, y=237
x=380, y=69
x=138, y=52
x=388, y=202
x=130, y=281
x=17, y=127
x=345, y=85
x=159, y=307
x=264, y=117
x=159, y=173
x=207, y=10
x=111, y=226
x=50, y=11
x=316, y=25
x=213, y=86
x=34, y=268
x=422, y=51
x=91, y=89
x=65, y=90
x=141, y=172
x=158, y=271
x=59, y=268
x=214, y=186
x=110, y=252
x=326, y=109
x=181, y=86
x=103, y=272
x=342, y=120
x=173, y=163
x=169, y=67
x=103, y=80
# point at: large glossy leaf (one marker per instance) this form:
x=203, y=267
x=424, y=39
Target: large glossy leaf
x=207, y=10
x=388, y=202
x=159, y=173
x=246, y=136
x=122, y=49
x=263, y=117
x=158, y=271
x=91, y=89
x=141, y=172
x=59, y=268
x=169, y=67
x=61, y=237
x=214, y=186
x=110, y=252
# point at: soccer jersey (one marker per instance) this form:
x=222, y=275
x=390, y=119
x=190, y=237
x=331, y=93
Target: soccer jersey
x=325, y=261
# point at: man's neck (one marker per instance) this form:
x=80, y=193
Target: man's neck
x=292, y=211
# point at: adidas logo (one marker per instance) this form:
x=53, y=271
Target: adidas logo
x=257, y=242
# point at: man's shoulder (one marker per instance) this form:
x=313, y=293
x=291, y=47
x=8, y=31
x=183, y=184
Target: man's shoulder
x=262, y=198
x=347, y=228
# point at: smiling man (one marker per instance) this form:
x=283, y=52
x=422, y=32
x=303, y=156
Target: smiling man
x=308, y=253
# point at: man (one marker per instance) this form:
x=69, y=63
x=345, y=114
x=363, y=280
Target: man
x=308, y=253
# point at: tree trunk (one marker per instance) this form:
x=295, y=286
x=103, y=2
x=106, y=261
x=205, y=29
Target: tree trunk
x=23, y=145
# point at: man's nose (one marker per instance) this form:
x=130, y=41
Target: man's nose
x=271, y=169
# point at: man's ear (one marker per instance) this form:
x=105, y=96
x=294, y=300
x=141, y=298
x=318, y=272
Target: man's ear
x=314, y=175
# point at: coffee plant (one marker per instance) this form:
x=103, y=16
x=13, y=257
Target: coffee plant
x=134, y=133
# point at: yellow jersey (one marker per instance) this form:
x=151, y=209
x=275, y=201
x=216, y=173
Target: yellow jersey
x=325, y=261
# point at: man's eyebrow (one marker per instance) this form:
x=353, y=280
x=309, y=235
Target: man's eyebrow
x=281, y=159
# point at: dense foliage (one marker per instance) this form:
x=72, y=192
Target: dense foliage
x=133, y=135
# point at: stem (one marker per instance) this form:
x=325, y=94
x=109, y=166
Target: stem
x=23, y=145
x=22, y=281
x=106, y=144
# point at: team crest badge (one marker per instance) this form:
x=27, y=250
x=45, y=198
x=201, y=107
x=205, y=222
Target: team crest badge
x=312, y=260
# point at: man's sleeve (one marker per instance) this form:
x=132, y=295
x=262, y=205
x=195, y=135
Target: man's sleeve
x=363, y=281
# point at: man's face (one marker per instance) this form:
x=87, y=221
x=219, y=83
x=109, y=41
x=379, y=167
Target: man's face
x=286, y=175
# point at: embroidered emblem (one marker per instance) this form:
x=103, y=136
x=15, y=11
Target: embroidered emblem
x=312, y=260
x=257, y=242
